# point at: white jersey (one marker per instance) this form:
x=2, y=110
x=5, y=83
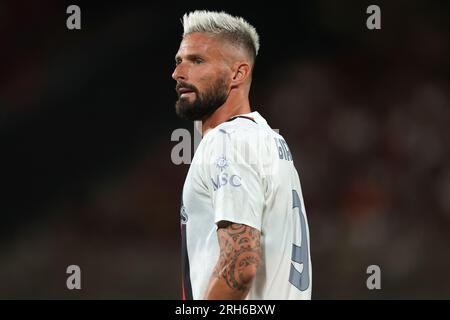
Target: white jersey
x=243, y=172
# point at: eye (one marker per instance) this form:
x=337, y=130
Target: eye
x=198, y=60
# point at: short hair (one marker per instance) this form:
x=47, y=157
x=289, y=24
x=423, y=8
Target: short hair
x=235, y=29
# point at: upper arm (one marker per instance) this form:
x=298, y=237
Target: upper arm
x=234, y=178
x=240, y=254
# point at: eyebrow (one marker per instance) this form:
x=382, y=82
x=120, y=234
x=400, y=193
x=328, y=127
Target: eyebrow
x=189, y=57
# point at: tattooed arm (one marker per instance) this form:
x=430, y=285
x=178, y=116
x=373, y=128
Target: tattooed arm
x=240, y=255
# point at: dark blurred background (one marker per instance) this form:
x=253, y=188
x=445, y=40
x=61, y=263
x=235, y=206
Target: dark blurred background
x=86, y=118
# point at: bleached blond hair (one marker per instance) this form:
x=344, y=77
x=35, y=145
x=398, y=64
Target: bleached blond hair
x=234, y=29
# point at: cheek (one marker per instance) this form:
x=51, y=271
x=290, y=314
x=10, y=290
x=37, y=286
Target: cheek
x=204, y=81
x=204, y=77
x=198, y=76
x=211, y=79
x=204, y=74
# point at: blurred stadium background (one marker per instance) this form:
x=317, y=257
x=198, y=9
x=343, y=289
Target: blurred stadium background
x=86, y=119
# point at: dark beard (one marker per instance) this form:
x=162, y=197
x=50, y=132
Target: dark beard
x=205, y=103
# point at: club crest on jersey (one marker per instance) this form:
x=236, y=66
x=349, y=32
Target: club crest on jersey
x=183, y=215
x=221, y=163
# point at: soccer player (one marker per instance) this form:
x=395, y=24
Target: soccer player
x=244, y=228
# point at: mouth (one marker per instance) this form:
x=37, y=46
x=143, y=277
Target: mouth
x=184, y=91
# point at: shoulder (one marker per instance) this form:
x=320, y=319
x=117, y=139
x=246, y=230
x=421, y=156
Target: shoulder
x=239, y=130
x=240, y=141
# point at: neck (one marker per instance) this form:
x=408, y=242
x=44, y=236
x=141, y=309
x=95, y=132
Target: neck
x=235, y=105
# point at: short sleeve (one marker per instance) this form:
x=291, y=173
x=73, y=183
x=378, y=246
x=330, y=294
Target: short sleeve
x=232, y=173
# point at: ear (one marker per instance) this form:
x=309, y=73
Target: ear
x=241, y=73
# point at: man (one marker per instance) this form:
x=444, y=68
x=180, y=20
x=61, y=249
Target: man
x=244, y=228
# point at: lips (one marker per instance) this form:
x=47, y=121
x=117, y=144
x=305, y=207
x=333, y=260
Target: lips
x=184, y=90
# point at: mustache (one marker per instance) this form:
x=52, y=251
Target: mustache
x=185, y=85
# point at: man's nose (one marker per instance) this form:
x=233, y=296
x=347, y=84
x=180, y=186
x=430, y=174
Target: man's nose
x=178, y=73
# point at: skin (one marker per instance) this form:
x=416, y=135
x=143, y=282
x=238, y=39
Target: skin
x=199, y=61
x=201, y=58
x=240, y=256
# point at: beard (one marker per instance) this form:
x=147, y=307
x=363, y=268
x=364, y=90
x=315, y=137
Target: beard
x=205, y=103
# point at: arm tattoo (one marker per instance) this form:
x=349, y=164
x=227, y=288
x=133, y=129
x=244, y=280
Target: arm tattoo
x=240, y=250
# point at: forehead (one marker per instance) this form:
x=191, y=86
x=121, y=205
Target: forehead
x=199, y=43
